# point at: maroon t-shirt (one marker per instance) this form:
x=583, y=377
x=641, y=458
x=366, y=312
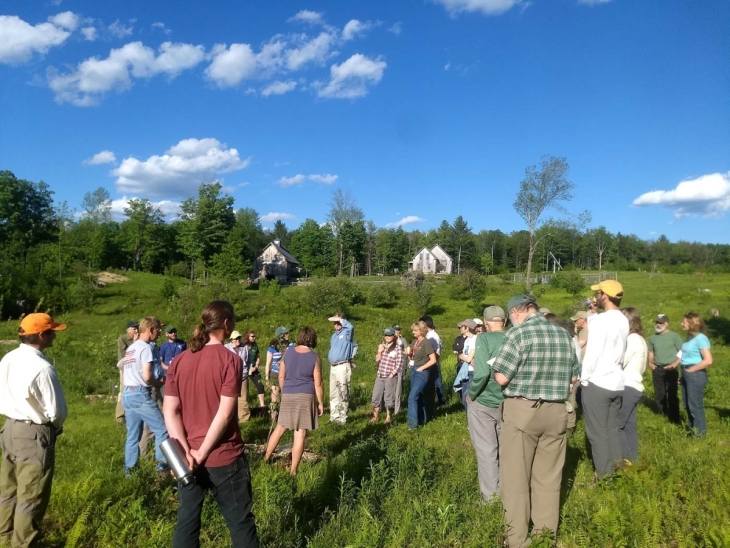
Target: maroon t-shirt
x=199, y=380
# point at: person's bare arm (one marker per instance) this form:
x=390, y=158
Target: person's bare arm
x=282, y=372
x=318, y=388
x=172, y=411
x=226, y=411
x=269, y=357
x=147, y=375
x=501, y=379
x=652, y=366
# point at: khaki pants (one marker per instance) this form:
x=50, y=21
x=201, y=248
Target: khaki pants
x=532, y=445
x=244, y=413
x=26, y=474
x=399, y=390
x=573, y=416
x=119, y=414
x=339, y=391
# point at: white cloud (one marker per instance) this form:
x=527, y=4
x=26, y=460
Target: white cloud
x=119, y=30
x=273, y=217
x=278, y=88
x=354, y=28
x=161, y=27
x=89, y=33
x=410, y=219
x=19, y=40
x=396, y=28
x=103, y=157
x=291, y=181
x=447, y=66
x=180, y=171
x=317, y=50
x=327, y=178
x=708, y=196
x=93, y=77
x=308, y=16
x=231, y=65
x=352, y=78
x=67, y=20
x=486, y=7
x=167, y=207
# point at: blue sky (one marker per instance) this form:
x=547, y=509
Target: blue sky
x=422, y=110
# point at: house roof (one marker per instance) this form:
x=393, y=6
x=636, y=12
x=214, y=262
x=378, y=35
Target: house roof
x=419, y=251
x=281, y=249
x=441, y=249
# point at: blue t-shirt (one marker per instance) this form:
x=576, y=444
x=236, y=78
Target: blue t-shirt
x=275, y=359
x=691, y=350
x=168, y=350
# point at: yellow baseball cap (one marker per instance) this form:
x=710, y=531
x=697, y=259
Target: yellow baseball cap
x=610, y=287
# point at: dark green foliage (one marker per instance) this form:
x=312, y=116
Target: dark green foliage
x=570, y=280
x=382, y=295
x=332, y=295
x=270, y=288
x=471, y=286
x=169, y=290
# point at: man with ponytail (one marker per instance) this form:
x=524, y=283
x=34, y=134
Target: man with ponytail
x=201, y=400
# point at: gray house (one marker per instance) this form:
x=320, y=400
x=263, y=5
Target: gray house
x=432, y=261
x=275, y=263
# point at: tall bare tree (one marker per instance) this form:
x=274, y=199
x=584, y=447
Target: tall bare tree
x=342, y=209
x=544, y=186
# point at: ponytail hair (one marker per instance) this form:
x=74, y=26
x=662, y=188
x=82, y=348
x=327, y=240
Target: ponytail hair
x=213, y=319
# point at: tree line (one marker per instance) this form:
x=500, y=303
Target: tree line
x=48, y=250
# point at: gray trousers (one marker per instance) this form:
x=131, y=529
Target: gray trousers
x=399, y=390
x=484, y=434
x=384, y=392
x=629, y=415
x=602, y=412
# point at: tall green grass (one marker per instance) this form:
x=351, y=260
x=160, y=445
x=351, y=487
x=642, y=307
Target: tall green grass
x=375, y=486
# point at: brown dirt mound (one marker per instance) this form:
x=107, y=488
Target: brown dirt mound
x=111, y=278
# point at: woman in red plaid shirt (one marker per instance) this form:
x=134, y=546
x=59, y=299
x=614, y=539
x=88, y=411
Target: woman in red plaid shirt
x=390, y=360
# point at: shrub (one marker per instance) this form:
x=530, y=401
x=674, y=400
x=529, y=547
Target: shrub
x=270, y=288
x=472, y=286
x=412, y=279
x=81, y=295
x=168, y=289
x=332, y=295
x=382, y=295
x=570, y=280
x=423, y=297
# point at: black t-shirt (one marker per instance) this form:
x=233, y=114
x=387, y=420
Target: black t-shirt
x=459, y=344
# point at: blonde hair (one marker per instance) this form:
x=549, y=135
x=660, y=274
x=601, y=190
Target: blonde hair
x=696, y=324
x=421, y=327
x=634, y=318
x=145, y=324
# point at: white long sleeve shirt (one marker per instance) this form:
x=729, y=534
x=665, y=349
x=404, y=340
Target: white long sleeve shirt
x=635, y=362
x=604, y=357
x=30, y=389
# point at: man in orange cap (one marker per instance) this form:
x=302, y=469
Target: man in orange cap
x=602, y=378
x=32, y=399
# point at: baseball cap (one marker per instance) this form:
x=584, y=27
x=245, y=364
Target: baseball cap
x=544, y=310
x=580, y=315
x=334, y=319
x=610, y=287
x=235, y=335
x=132, y=323
x=171, y=329
x=661, y=318
x=396, y=327
x=281, y=330
x=518, y=300
x=389, y=331
x=467, y=323
x=478, y=321
x=494, y=313
x=36, y=323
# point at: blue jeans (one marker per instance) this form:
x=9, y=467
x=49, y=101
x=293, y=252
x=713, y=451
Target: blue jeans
x=439, y=384
x=141, y=409
x=465, y=388
x=231, y=487
x=421, y=396
x=693, y=394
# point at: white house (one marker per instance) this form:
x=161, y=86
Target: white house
x=275, y=263
x=432, y=261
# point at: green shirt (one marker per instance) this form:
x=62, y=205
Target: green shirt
x=665, y=347
x=123, y=342
x=538, y=357
x=483, y=388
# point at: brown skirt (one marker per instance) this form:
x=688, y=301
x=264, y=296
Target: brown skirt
x=298, y=412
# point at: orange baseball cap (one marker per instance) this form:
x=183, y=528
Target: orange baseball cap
x=38, y=323
x=610, y=287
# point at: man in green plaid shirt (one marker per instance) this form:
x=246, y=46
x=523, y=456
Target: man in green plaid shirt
x=536, y=365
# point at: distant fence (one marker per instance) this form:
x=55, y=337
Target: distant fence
x=546, y=278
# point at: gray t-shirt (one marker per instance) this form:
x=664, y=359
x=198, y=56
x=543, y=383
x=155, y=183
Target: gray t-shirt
x=138, y=354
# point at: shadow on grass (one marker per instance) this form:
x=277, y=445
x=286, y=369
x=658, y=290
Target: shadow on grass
x=722, y=412
x=720, y=328
x=573, y=456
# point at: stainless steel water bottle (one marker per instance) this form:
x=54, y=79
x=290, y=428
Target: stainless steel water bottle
x=176, y=461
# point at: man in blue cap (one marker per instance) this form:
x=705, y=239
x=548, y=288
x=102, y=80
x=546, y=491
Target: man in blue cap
x=340, y=358
x=536, y=365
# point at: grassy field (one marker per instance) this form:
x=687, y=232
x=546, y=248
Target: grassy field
x=378, y=487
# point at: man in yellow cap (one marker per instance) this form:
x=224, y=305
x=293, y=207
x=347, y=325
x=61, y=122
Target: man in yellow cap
x=32, y=399
x=602, y=378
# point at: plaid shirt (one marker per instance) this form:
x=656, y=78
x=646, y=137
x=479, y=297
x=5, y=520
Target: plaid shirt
x=538, y=357
x=390, y=362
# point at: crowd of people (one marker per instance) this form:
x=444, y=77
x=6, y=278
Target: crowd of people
x=522, y=375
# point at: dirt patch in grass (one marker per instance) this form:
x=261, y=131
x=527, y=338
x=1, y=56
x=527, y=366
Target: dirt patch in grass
x=8, y=343
x=111, y=278
x=91, y=398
